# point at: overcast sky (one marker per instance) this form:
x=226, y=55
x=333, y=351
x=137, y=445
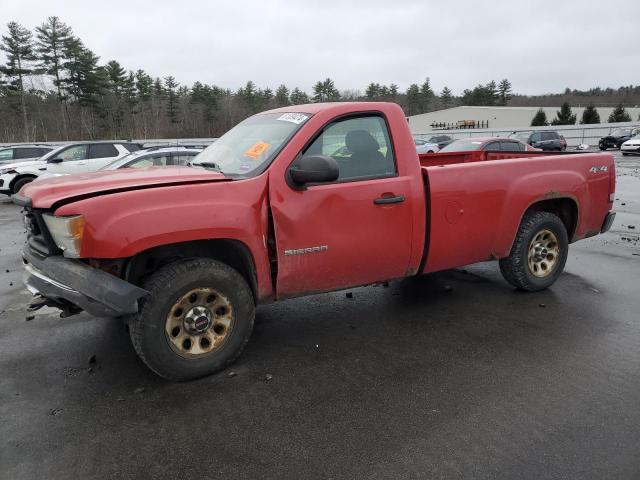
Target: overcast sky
x=542, y=46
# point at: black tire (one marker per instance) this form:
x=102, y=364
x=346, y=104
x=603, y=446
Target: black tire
x=624, y=154
x=516, y=268
x=167, y=286
x=602, y=147
x=21, y=182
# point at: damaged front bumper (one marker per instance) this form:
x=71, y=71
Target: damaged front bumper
x=68, y=283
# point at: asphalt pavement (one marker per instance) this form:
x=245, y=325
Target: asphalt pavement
x=451, y=375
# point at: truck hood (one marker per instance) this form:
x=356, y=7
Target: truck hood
x=45, y=193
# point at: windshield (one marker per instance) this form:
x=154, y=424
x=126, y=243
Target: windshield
x=522, y=136
x=251, y=144
x=122, y=160
x=462, y=146
x=621, y=132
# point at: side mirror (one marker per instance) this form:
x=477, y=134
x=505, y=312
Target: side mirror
x=314, y=169
x=55, y=160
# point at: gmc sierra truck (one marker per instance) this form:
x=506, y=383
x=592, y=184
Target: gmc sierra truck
x=291, y=202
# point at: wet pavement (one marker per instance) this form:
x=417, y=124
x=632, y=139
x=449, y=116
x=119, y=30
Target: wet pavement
x=453, y=375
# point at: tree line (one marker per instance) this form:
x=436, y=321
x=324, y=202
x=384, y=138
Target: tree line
x=53, y=87
x=590, y=115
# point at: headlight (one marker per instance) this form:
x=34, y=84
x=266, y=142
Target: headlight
x=6, y=170
x=67, y=233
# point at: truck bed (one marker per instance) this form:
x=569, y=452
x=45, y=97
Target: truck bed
x=476, y=206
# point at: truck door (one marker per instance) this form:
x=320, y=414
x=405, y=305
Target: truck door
x=354, y=231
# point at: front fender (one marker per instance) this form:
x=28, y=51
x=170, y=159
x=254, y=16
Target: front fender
x=121, y=225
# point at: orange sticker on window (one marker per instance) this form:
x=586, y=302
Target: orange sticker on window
x=257, y=149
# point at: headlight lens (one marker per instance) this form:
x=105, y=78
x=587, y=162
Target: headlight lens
x=5, y=170
x=67, y=233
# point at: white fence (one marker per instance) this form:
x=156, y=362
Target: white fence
x=575, y=135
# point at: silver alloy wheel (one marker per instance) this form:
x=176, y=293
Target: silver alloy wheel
x=199, y=323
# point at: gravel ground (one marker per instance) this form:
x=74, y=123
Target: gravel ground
x=452, y=375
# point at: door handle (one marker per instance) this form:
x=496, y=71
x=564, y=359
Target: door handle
x=389, y=200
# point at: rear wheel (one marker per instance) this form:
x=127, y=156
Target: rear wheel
x=197, y=319
x=21, y=182
x=538, y=254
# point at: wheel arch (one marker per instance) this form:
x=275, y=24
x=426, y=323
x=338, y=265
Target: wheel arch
x=566, y=208
x=19, y=177
x=229, y=251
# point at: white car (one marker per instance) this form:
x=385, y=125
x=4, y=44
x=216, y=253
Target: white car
x=152, y=157
x=631, y=146
x=423, y=146
x=71, y=158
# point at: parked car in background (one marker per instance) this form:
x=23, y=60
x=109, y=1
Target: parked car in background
x=22, y=153
x=151, y=157
x=89, y=156
x=488, y=144
x=632, y=145
x=157, y=157
x=548, y=141
x=617, y=137
x=423, y=146
x=70, y=158
x=441, y=140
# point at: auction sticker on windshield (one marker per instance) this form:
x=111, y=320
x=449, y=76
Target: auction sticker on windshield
x=257, y=149
x=296, y=118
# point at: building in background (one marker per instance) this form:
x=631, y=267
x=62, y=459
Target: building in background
x=496, y=118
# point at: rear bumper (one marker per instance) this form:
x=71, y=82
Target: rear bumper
x=608, y=221
x=63, y=280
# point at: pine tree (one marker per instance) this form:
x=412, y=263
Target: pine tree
x=170, y=87
x=491, y=93
x=85, y=81
x=426, y=95
x=413, y=100
x=298, y=97
x=325, y=91
x=373, y=91
x=590, y=115
x=446, y=97
x=504, y=92
x=539, y=119
x=393, y=91
x=144, y=85
x=619, y=114
x=18, y=45
x=282, y=96
x=51, y=38
x=117, y=76
x=564, y=116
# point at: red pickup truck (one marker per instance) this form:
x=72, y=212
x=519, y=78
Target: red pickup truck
x=290, y=202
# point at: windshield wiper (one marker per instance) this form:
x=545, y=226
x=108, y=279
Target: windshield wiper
x=210, y=165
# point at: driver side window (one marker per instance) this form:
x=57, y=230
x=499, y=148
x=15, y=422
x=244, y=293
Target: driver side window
x=361, y=147
x=77, y=152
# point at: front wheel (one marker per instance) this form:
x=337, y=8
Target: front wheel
x=602, y=147
x=538, y=254
x=195, y=321
x=21, y=182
